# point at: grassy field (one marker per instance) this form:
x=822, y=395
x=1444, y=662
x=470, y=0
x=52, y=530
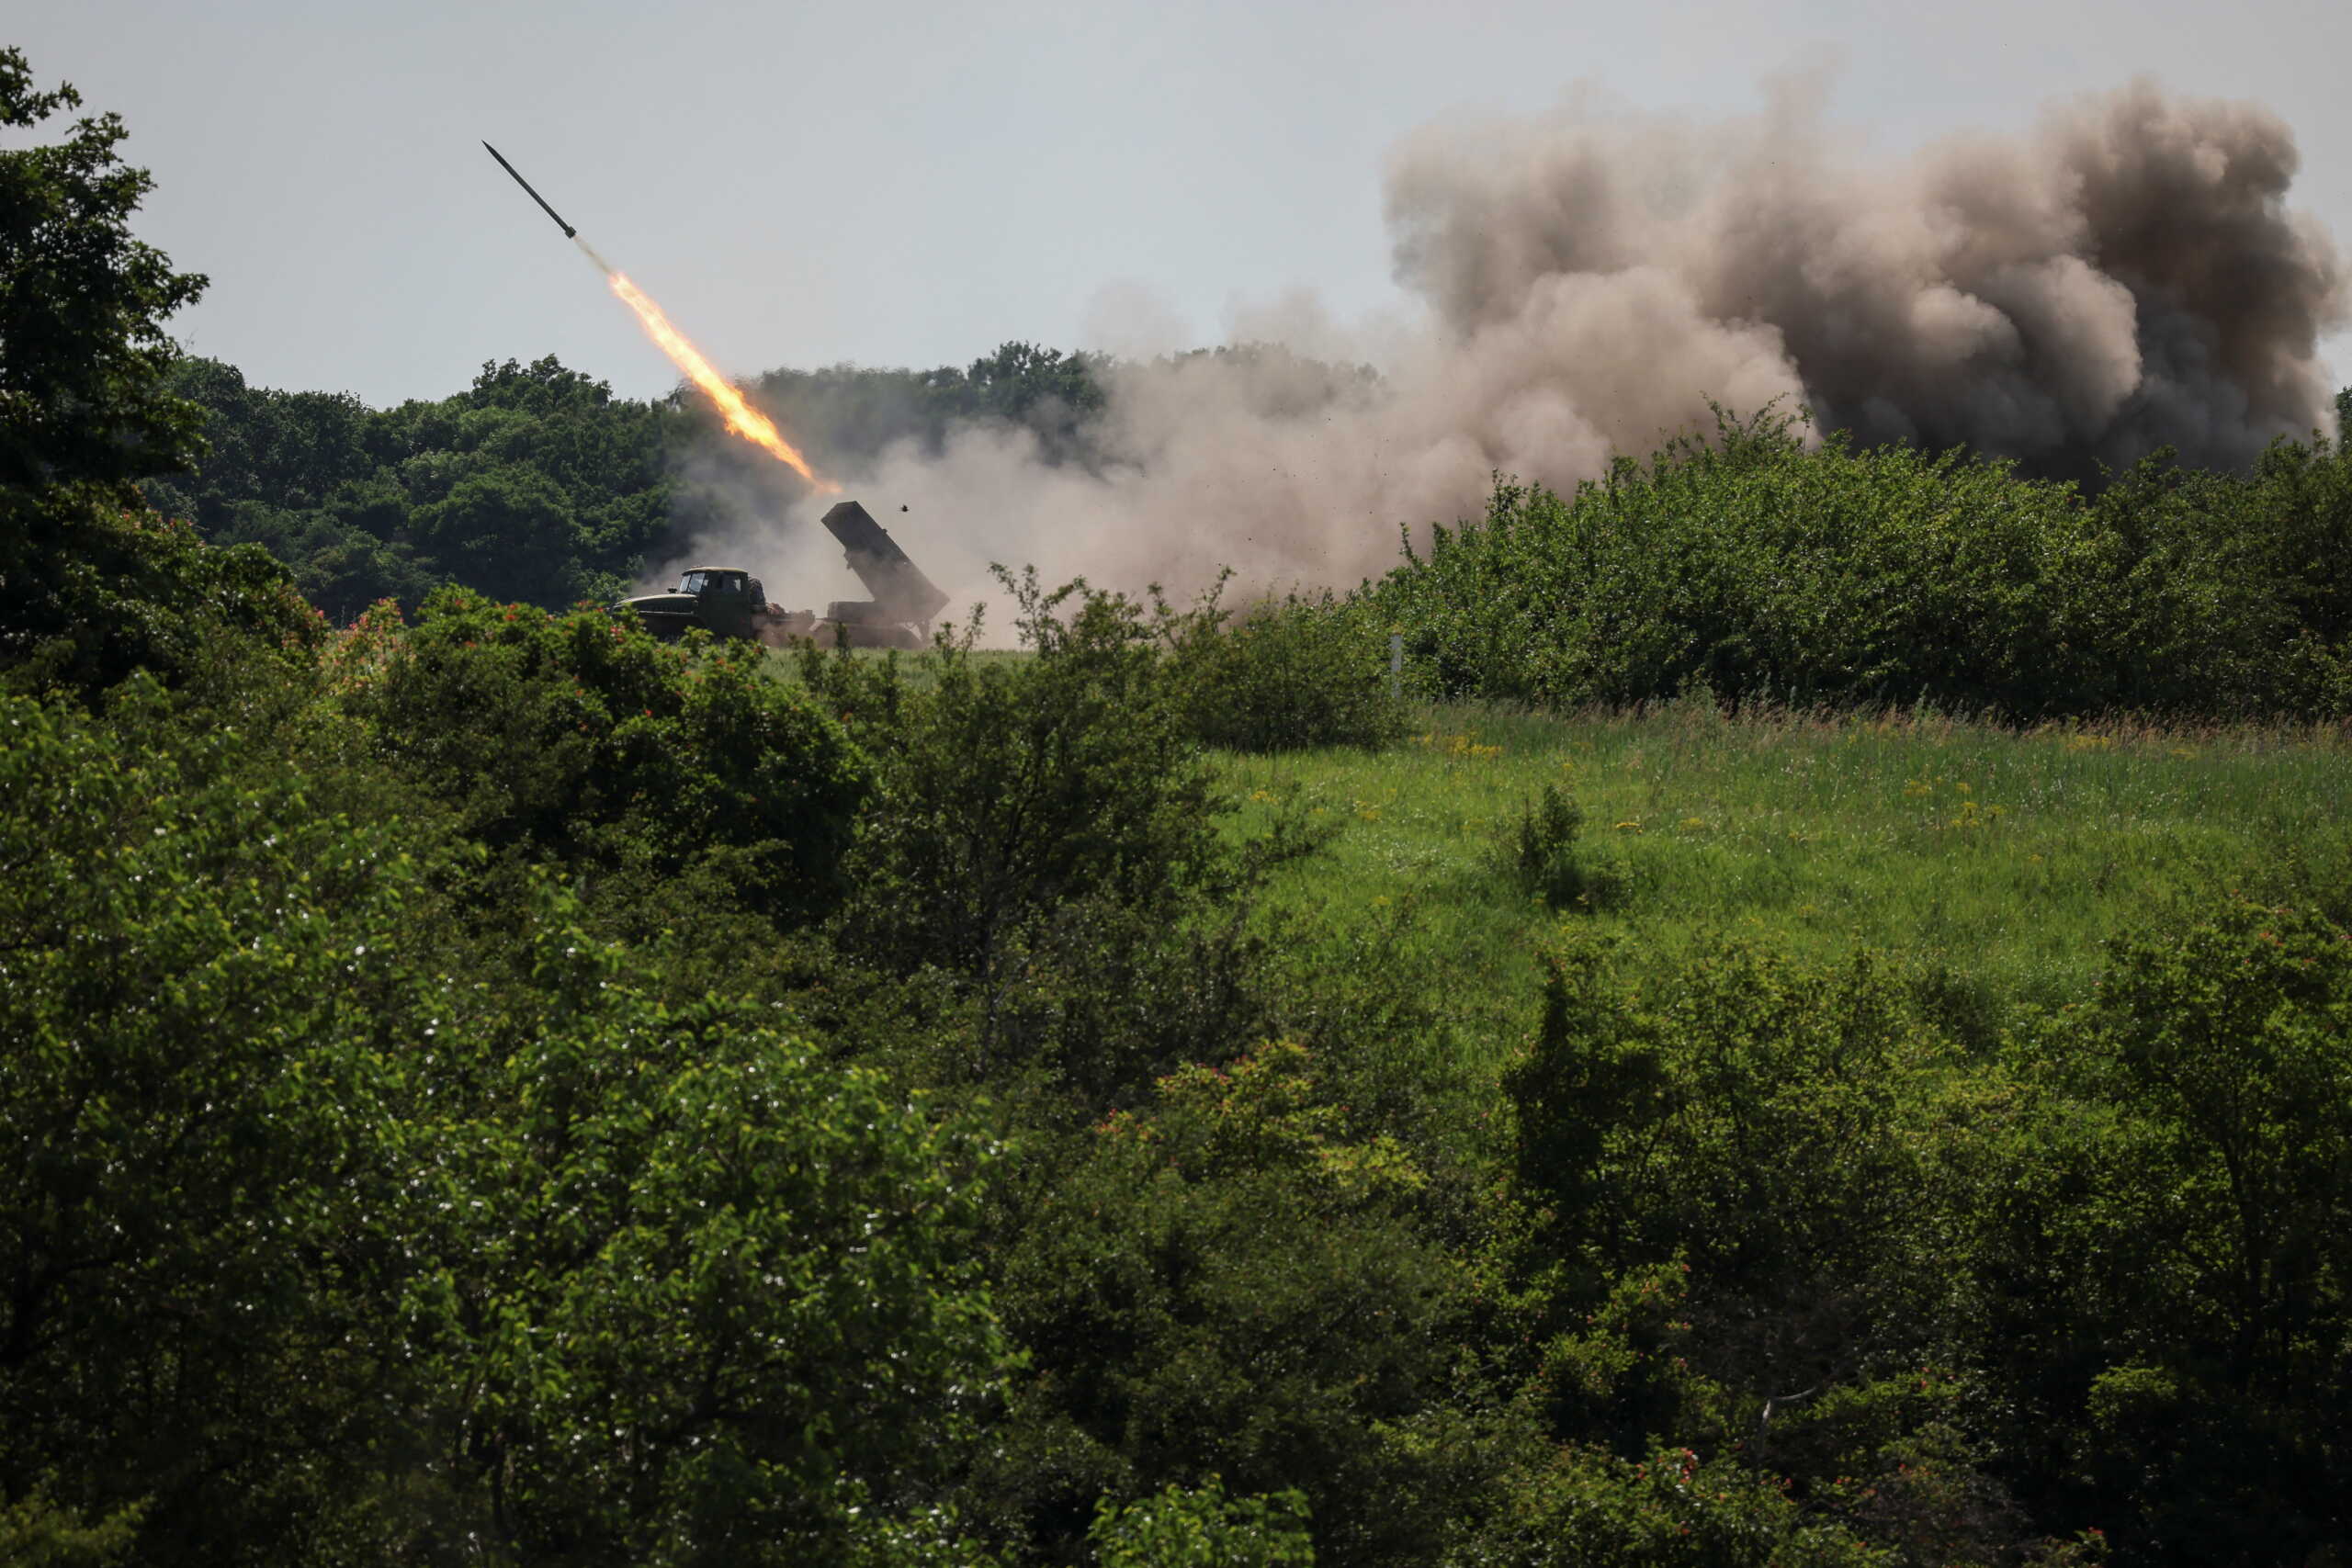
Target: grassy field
x=1989, y=862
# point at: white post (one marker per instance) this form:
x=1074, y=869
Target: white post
x=1397, y=665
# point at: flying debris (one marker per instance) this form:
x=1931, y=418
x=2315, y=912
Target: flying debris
x=569, y=232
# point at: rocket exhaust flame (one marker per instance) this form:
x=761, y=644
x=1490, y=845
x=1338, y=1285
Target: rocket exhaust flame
x=740, y=416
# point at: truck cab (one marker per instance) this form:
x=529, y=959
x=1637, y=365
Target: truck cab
x=723, y=600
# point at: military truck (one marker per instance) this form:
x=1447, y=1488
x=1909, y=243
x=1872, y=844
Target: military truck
x=727, y=600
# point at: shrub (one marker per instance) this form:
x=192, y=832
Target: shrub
x=1761, y=1119
x=2229, y=1043
x=1588, y=1509
x=1201, y=1528
x=708, y=1296
x=1284, y=675
x=208, y=1012
x=91, y=593
x=1545, y=855
x=1013, y=788
x=2180, y=1222
x=1760, y=570
x=581, y=739
x=334, y=1228
x=1228, y=1278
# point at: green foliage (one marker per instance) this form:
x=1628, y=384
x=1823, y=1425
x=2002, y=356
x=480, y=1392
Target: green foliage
x=1762, y=570
x=1544, y=854
x=1229, y=1279
x=90, y=587
x=537, y=485
x=717, y=1299
x=1012, y=790
x=198, y=1137
x=501, y=1089
x=1203, y=1529
x=83, y=347
x=2231, y=1041
x=2181, y=1235
x=1285, y=674
x=335, y=1224
x=1586, y=1509
x=856, y=413
x=35, y=1533
x=100, y=592
x=582, y=740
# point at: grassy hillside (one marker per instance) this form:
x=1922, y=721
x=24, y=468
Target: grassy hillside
x=1990, y=862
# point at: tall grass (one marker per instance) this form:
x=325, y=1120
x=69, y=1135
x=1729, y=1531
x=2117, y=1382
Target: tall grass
x=1989, y=862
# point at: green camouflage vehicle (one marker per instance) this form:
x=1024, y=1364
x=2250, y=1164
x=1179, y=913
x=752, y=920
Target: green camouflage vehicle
x=725, y=600
x=729, y=602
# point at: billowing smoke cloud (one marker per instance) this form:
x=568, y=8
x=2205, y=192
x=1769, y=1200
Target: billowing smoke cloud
x=2127, y=275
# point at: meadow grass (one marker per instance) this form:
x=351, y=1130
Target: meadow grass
x=1990, y=864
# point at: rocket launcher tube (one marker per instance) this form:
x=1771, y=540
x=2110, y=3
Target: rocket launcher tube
x=899, y=586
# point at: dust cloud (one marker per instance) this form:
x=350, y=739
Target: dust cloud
x=2125, y=276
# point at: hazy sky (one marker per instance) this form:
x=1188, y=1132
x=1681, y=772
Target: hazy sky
x=890, y=184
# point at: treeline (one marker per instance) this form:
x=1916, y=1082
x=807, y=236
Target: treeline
x=1754, y=568
x=1749, y=561
x=537, y=485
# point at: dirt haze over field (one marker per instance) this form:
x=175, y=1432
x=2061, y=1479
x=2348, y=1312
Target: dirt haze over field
x=2126, y=276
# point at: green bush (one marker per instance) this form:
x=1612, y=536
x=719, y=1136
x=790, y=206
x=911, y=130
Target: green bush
x=1284, y=675
x=210, y=1008
x=1229, y=1277
x=581, y=739
x=337, y=1226
x=1013, y=789
x=1667, y=1508
x=1762, y=570
x=2178, y=1219
x=704, y=1295
x=1203, y=1529
x=1544, y=856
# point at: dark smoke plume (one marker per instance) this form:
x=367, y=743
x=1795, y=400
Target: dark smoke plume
x=2126, y=276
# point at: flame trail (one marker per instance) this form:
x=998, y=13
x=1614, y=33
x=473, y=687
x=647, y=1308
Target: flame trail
x=742, y=417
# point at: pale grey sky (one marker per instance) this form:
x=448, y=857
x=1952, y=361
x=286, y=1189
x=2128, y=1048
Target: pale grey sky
x=895, y=184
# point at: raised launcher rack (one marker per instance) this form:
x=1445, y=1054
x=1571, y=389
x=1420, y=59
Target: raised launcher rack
x=905, y=602
x=902, y=595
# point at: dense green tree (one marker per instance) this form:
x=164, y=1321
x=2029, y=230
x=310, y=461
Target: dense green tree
x=1204, y=1529
x=536, y=484
x=342, y=1220
x=82, y=349
x=707, y=1298
x=90, y=586
x=1229, y=1281
x=2167, y=1276
x=852, y=413
x=207, y=995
